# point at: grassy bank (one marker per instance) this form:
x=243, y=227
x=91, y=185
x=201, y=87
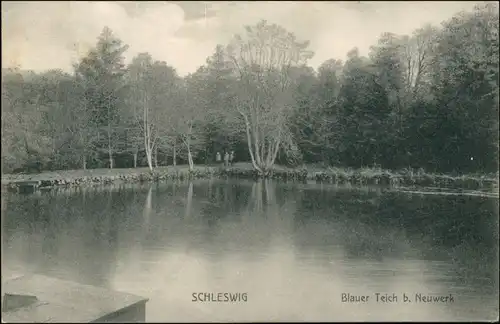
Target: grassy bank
x=365, y=176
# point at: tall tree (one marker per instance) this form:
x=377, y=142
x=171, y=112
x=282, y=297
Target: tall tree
x=101, y=74
x=263, y=58
x=387, y=63
x=215, y=96
x=317, y=130
x=153, y=92
x=27, y=142
x=190, y=116
x=364, y=112
x=417, y=52
x=465, y=92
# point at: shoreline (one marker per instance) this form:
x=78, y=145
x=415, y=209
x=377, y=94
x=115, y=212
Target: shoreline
x=366, y=176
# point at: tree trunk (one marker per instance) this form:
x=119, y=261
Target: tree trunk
x=174, y=158
x=84, y=162
x=147, y=147
x=190, y=160
x=149, y=158
x=190, y=157
x=249, y=143
x=110, y=153
x=135, y=160
x=148, y=207
x=149, y=153
x=156, y=156
x=187, y=142
x=189, y=201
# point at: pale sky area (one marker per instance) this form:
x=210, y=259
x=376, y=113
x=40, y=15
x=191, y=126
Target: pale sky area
x=45, y=35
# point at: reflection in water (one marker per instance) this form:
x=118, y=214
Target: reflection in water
x=189, y=200
x=148, y=209
x=293, y=248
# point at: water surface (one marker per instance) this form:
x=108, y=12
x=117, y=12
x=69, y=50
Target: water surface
x=294, y=249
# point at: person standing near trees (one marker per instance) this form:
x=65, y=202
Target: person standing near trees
x=226, y=159
x=217, y=158
x=231, y=158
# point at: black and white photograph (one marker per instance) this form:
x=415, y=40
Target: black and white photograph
x=249, y=161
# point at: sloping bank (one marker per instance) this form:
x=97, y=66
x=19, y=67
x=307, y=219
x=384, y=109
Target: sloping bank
x=367, y=176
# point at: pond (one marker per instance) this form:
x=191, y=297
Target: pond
x=284, y=251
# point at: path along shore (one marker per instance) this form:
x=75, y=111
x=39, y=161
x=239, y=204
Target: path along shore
x=365, y=176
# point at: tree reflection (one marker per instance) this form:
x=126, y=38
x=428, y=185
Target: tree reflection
x=270, y=217
x=189, y=201
x=146, y=213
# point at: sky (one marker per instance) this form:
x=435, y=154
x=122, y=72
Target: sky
x=47, y=35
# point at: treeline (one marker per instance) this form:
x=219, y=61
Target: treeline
x=427, y=100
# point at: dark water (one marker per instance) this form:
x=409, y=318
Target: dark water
x=292, y=248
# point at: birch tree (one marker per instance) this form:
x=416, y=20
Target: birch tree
x=153, y=89
x=262, y=59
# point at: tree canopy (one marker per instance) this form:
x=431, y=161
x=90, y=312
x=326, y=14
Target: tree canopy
x=429, y=99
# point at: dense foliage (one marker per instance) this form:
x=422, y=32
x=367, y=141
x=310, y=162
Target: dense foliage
x=427, y=100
